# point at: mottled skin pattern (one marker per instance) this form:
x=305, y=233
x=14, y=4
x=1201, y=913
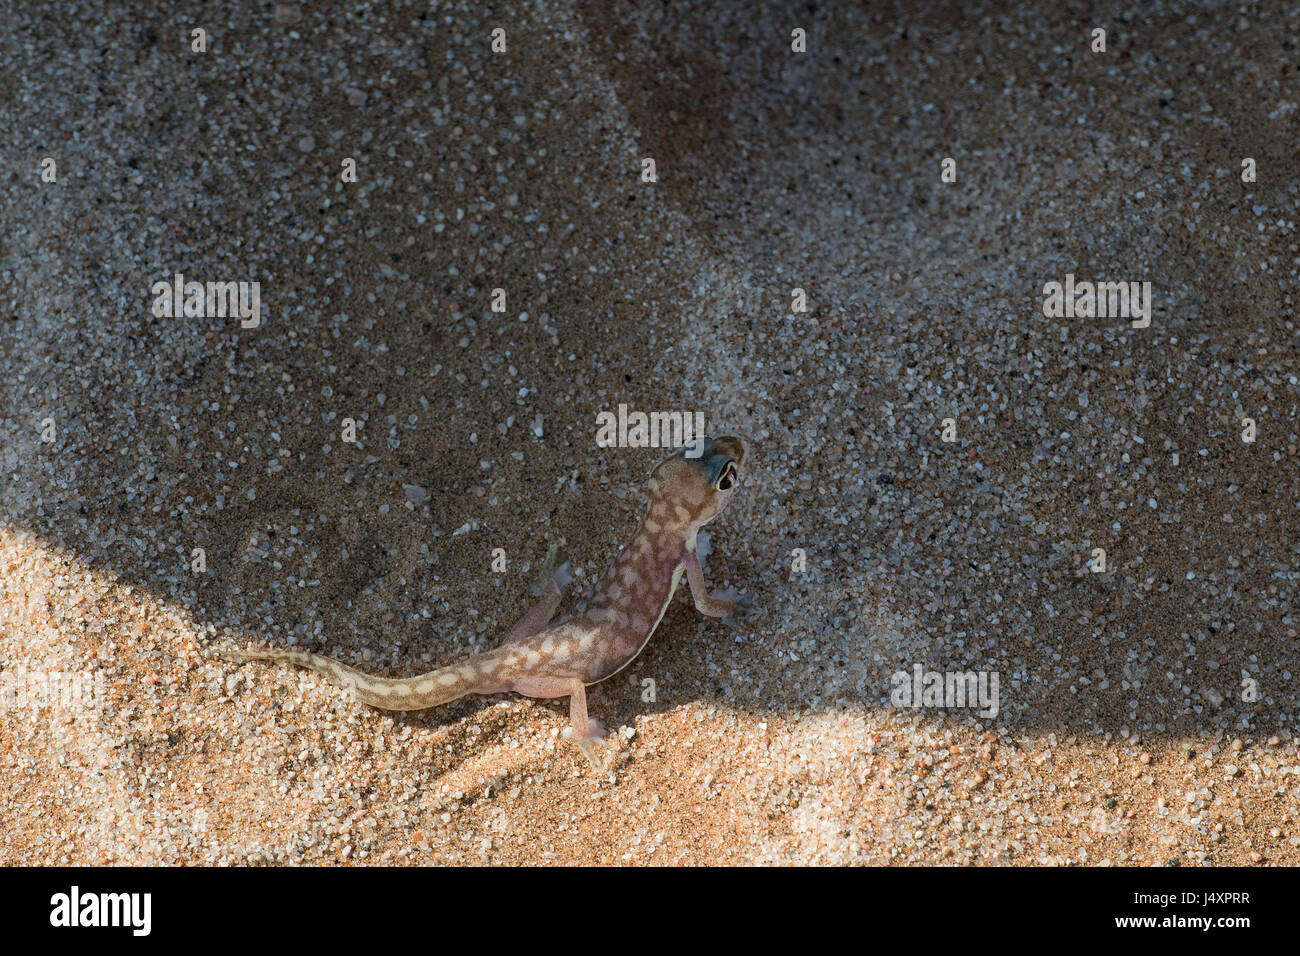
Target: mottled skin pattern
x=604, y=634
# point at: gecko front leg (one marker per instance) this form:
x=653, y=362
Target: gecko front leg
x=723, y=604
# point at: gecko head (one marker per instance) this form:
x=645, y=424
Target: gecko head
x=699, y=478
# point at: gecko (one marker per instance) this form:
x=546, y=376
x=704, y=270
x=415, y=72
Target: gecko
x=542, y=658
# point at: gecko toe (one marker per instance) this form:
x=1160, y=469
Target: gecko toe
x=741, y=603
x=593, y=748
x=557, y=572
x=592, y=744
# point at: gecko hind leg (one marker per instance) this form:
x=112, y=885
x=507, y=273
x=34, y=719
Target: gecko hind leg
x=588, y=734
x=555, y=577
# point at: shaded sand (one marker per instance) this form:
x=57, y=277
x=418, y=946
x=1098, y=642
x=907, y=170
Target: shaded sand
x=1122, y=734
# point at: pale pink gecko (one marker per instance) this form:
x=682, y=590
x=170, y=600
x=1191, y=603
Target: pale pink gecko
x=603, y=635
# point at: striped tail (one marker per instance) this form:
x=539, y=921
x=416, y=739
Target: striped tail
x=403, y=693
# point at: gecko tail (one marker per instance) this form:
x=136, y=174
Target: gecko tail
x=386, y=693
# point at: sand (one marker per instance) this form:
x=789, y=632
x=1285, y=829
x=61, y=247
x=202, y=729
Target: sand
x=1146, y=713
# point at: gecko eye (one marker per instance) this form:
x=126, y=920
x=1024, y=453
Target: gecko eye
x=727, y=478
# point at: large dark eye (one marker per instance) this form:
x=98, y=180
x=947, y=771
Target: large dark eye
x=727, y=478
